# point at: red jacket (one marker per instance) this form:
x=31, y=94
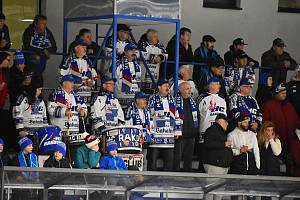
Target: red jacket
x=4, y=91
x=285, y=118
x=295, y=153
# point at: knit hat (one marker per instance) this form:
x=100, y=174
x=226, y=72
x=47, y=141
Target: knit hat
x=111, y=145
x=281, y=87
x=68, y=77
x=1, y=141
x=24, y=142
x=90, y=140
x=161, y=82
x=213, y=80
x=19, y=58
x=245, y=81
x=61, y=147
x=130, y=47
x=140, y=95
x=241, y=116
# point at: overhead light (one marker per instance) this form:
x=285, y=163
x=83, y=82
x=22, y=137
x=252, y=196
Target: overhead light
x=27, y=20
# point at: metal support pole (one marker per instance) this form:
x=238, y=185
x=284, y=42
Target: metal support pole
x=176, y=58
x=114, y=49
x=161, y=196
x=2, y=183
x=97, y=33
x=65, y=37
x=45, y=194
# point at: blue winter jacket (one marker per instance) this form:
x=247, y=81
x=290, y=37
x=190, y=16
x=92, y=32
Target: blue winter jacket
x=112, y=163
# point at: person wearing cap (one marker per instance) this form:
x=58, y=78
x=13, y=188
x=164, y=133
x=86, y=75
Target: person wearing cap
x=106, y=111
x=128, y=73
x=39, y=41
x=112, y=161
x=293, y=90
x=185, y=53
x=66, y=107
x=283, y=114
x=264, y=90
x=189, y=118
x=3, y=156
x=87, y=156
x=166, y=126
x=242, y=101
x=295, y=152
x=279, y=60
x=4, y=78
x=4, y=34
x=184, y=75
x=29, y=112
x=154, y=53
x=238, y=44
x=26, y=157
x=58, y=158
x=240, y=70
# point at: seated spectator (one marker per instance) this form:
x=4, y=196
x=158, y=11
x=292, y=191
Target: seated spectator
x=4, y=65
x=112, y=161
x=87, y=156
x=154, y=53
x=204, y=55
x=58, y=158
x=295, y=152
x=270, y=149
x=238, y=44
x=246, y=158
x=185, y=53
x=4, y=34
x=243, y=102
x=19, y=78
x=264, y=90
x=91, y=48
x=38, y=39
x=240, y=70
x=293, y=90
x=3, y=157
x=279, y=60
x=185, y=76
x=128, y=73
x=30, y=113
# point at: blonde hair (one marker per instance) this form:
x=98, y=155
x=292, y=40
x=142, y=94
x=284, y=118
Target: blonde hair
x=261, y=136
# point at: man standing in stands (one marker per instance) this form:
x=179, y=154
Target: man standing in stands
x=5, y=42
x=167, y=127
x=38, y=39
x=279, y=61
x=293, y=90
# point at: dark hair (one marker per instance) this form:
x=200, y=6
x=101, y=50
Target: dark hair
x=184, y=29
x=3, y=56
x=36, y=82
x=2, y=16
x=37, y=18
x=84, y=31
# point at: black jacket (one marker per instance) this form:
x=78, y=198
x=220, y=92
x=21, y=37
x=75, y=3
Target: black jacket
x=3, y=160
x=4, y=34
x=215, y=151
x=263, y=94
x=269, y=163
x=229, y=58
x=51, y=162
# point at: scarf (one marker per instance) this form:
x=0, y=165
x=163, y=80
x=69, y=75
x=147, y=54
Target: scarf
x=40, y=40
x=127, y=76
x=109, y=97
x=193, y=106
x=60, y=97
x=33, y=162
x=136, y=118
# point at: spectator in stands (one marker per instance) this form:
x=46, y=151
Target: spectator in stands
x=91, y=48
x=106, y=111
x=282, y=113
x=270, y=149
x=39, y=41
x=243, y=102
x=185, y=76
x=295, y=152
x=264, y=91
x=58, y=158
x=87, y=156
x=4, y=34
x=185, y=53
x=204, y=55
x=238, y=44
x=240, y=70
x=30, y=112
x=123, y=38
x=112, y=161
x=19, y=78
x=246, y=158
x=128, y=73
x=3, y=156
x=4, y=65
x=166, y=126
x=293, y=90
x=154, y=53
x=279, y=61
x=189, y=116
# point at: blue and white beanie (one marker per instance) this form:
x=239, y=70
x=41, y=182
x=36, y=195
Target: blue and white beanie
x=24, y=142
x=61, y=147
x=19, y=58
x=111, y=145
x=1, y=141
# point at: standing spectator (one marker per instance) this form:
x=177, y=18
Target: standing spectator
x=240, y=70
x=166, y=126
x=238, y=44
x=38, y=39
x=293, y=90
x=185, y=53
x=154, y=53
x=185, y=76
x=270, y=149
x=204, y=55
x=243, y=102
x=279, y=61
x=58, y=158
x=295, y=152
x=112, y=161
x=246, y=158
x=19, y=78
x=264, y=91
x=282, y=113
x=3, y=157
x=4, y=34
x=87, y=156
x=4, y=64
x=189, y=116
x=92, y=47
